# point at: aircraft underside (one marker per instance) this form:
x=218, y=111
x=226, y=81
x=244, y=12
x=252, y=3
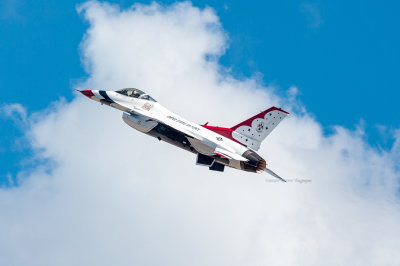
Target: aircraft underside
x=177, y=138
x=215, y=163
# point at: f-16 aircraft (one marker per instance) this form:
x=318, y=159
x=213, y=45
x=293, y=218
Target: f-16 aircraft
x=216, y=147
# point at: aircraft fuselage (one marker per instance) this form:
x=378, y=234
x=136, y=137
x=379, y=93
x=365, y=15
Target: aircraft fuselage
x=214, y=150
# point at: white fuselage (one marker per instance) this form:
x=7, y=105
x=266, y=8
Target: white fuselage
x=216, y=147
x=156, y=111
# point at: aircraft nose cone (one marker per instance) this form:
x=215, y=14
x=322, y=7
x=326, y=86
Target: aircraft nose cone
x=87, y=93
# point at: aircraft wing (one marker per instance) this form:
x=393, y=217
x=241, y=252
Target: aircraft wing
x=135, y=111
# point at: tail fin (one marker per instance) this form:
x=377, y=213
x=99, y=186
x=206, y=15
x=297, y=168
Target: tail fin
x=254, y=130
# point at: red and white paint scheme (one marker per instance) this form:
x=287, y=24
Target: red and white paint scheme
x=216, y=147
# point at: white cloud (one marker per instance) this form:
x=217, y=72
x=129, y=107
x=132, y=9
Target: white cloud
x=113, y=196
x=14, y=111
x=313, y=13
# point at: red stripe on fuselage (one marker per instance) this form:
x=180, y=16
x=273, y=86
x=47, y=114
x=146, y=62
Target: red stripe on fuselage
x=226, y=132
x=221, y=155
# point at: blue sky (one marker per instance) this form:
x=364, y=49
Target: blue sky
x=342, y=56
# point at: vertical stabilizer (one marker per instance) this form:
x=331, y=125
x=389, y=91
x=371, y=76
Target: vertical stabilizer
x=254, y=130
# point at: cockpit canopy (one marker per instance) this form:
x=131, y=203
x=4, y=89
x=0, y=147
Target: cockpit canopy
x=135, y=93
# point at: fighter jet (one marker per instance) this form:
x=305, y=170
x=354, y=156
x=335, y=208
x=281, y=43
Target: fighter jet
x=215, y=147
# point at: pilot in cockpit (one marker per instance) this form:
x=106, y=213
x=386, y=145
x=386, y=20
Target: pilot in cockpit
x=136, y=93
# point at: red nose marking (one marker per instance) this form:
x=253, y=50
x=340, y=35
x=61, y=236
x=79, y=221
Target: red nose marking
x=87, y=93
